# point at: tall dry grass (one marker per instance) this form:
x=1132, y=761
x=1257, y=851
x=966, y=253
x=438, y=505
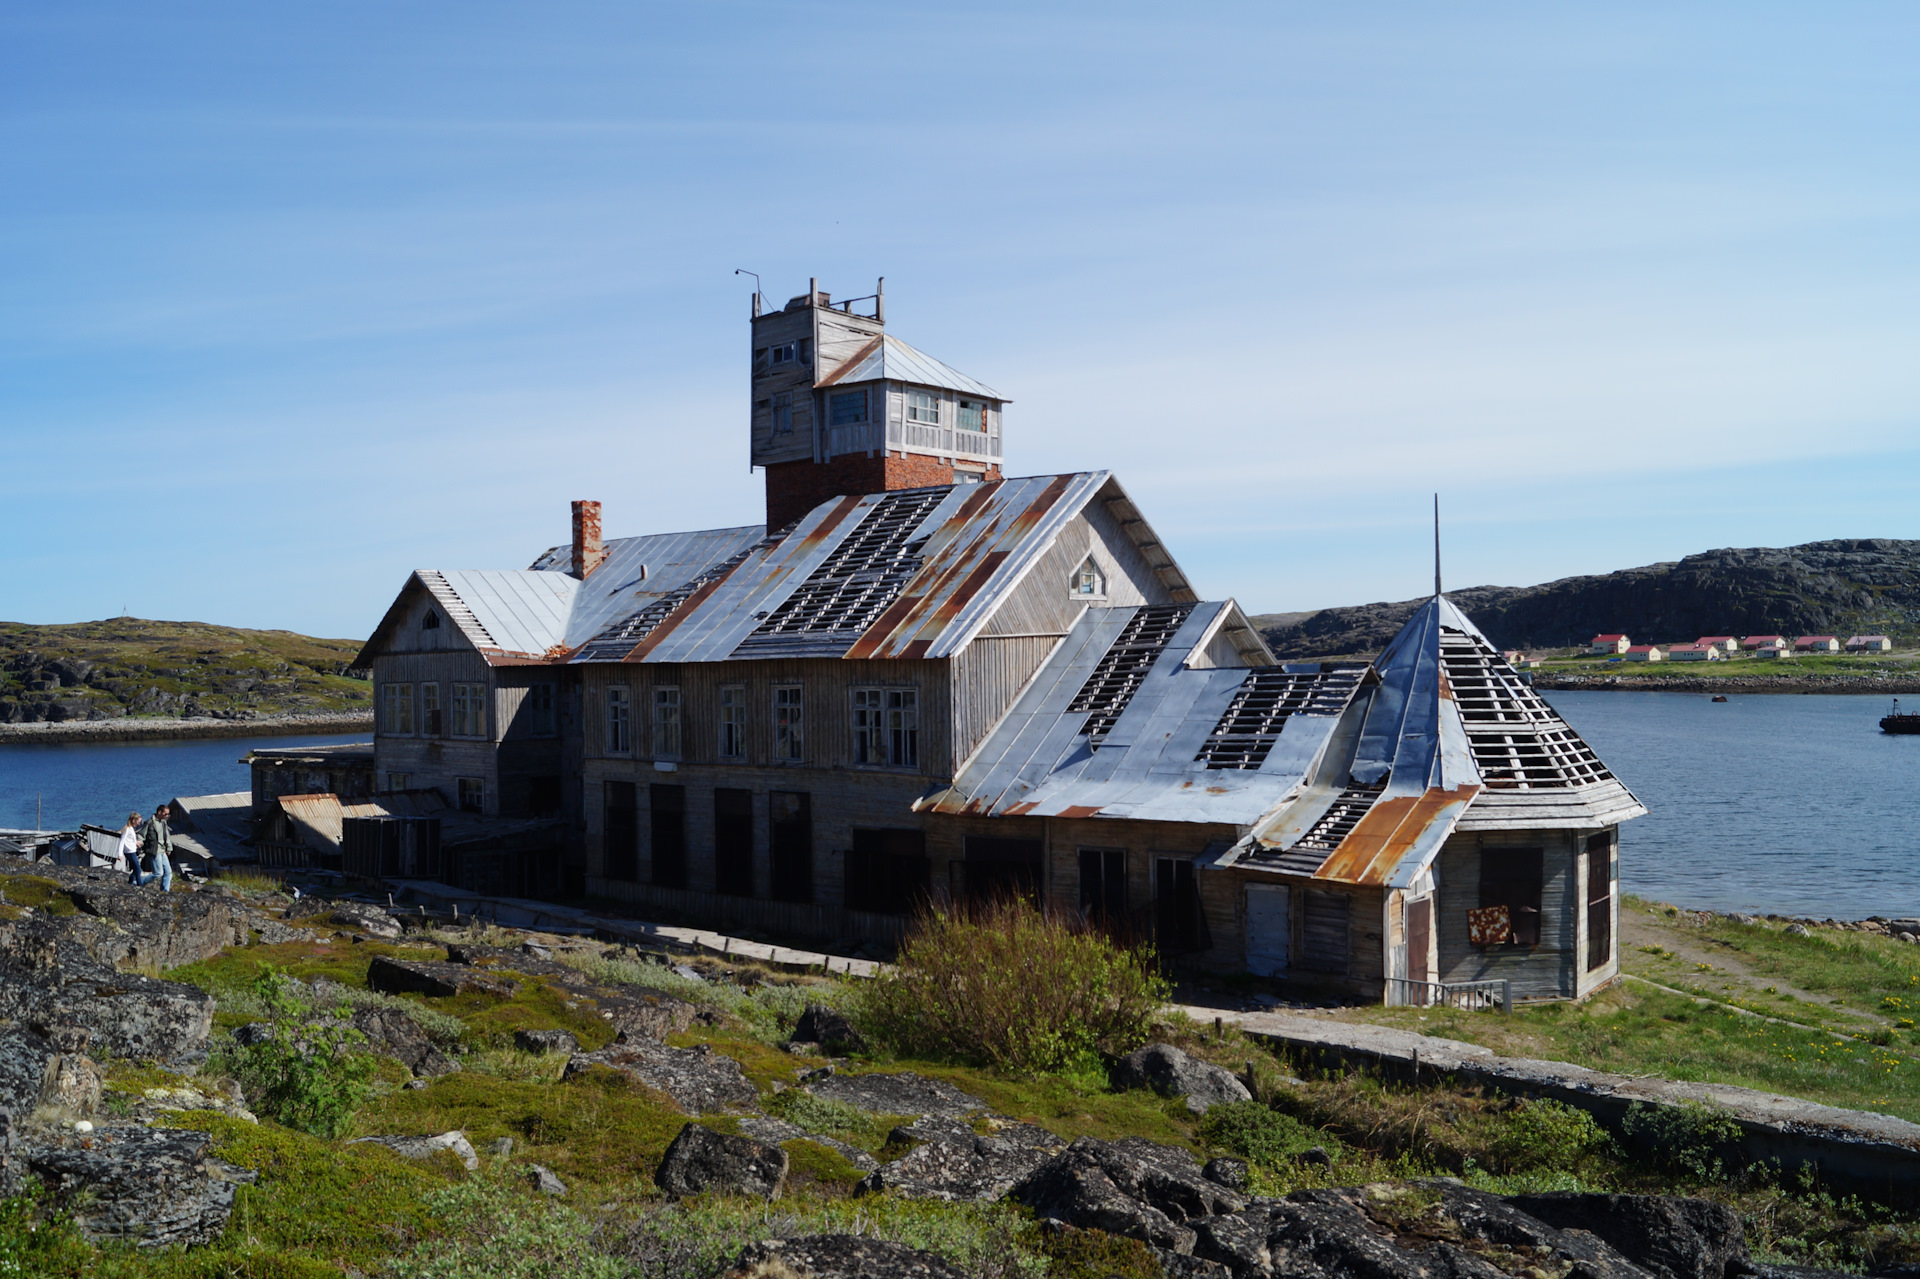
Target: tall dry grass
x=1010, y=987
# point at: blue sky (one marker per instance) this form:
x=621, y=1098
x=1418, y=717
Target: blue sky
x=298, y=299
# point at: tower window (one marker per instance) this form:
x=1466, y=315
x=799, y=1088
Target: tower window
x=847, y=408
x=783, y=414
x=923, y=407
x=779, y=355
x=1088, y=581
x=972, y=416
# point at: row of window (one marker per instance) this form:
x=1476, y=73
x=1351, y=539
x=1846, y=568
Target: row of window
x=885, y=723
x=850, y=408
x=415, y=709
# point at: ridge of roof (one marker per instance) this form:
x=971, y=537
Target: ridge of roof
x=887, y=357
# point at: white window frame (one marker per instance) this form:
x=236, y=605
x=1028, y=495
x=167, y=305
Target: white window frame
x=667, y=735
x=886, y=727
x=469, y=710
x=1089, y=581
x=396, y=709
x=732, y=739
x=619, y=720
x=979, y=410
x=789, y=724
x=922, y=403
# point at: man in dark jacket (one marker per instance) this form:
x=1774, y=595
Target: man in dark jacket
x=156, y=851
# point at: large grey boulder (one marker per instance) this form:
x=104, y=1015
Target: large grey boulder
x=1100, y=1185
x=1171, y=1073
x=699, y=1080
x=837, y=1257
x=905, y=1093
x=1674, y=1238
x=434, y=979
x=545, y=1041
x=427, y=1147
x=51, y=984
x=147, y=927
x=959, y=1165
x=392, y=1033
x=367, y=918
x=829, y=1028
x=144, y=1186
x=702, y=1161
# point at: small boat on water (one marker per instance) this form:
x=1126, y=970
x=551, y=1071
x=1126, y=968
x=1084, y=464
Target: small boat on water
x=1897, y=721
x=1719, y=697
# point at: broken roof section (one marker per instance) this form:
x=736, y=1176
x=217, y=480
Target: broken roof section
x=1355, y=773
x=888, y=358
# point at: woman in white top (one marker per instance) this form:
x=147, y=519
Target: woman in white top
x=130, y=846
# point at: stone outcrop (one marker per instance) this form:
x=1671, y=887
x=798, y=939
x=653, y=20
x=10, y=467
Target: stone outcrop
x=837, y=1257
x=829, y=1028
x=54, y=986
x=699, y=1080
x=367, y=918
x=905, y=1093
x=434, y=979
x=952, y=1162
x=1124, y=1189
x=1172, y=1073
x=146, y=1186
x=1674, y=1238
x=545, y=1041
x=702, y=1161
x=429, y=1146
x=394, y=1034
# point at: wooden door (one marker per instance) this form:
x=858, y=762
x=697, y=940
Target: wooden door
x=1419, y=939
x=1269, y=928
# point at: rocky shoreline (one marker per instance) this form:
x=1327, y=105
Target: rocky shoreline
x=142, y=729
x=1776, y=684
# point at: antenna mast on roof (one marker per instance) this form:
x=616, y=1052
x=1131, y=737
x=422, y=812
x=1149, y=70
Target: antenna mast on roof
x=1436, y=545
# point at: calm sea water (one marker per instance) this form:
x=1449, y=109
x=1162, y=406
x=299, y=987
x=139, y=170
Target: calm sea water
x=1788, y=804
x=101, y=782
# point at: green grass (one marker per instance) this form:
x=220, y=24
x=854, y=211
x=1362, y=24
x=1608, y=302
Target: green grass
x=1782, y=668
x=1862, y=970
x=39, y=892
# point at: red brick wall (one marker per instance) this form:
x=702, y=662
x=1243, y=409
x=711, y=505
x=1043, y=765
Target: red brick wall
x=794, y=488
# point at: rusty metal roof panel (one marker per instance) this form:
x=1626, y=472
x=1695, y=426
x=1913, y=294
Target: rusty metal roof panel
x=639, y=571
x=888, y=358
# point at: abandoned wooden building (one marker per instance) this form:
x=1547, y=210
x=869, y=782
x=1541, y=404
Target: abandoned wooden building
x=921, y=679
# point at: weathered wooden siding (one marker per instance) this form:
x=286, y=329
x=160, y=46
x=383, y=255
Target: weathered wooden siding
x=1546, y=971
x=433, y=761
x=988, y=675
x=1044, y=602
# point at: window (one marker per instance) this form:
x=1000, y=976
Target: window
x=1179, y=926
x=997, y=868
x=396, y=710
x=667, y=821
x=543, y=795
x=733, y=841
x=789, y=740
x=399, y=781
x=666, y=723
x=846, y=408
x=733, y=722
x=473, y=795
x=620, y=853
x=619, y=722
x=923, y=407
x=431, y=622
x=430, y=723
x=886, y=727
x=782, y=354
x=469, y=710
x=783, y=414
x=887, y=871
x=1103, y=885
x=1510, y=877
x=540, y=710
x=1088, y=581
x=1599, y=900
x=790, y=845
x=972, y=416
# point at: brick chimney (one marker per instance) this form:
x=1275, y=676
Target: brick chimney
x=587, y=549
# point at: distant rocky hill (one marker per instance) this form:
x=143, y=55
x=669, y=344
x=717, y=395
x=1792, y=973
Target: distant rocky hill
x=130, y=666
x=1846, y=586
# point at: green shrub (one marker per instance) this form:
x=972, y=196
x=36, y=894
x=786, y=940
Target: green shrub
x=307, y=1073
x=1545, y=1134
x=1256, y=1132
x=1095, y=1254
x=1690, y=1138
x=35, y=1241
x=1010, y=987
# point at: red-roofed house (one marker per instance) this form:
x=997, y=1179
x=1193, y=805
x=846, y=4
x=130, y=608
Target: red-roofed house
x=1767, y=645
x=1817, y=644
x=1869, y=644
x=1725, y=643
x=1693, y=653
x=1646, y=653
x=1609, y=644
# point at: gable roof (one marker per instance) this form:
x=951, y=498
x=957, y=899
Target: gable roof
x=887, y=357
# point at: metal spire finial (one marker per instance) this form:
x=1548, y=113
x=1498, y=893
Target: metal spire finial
x=1436, y=545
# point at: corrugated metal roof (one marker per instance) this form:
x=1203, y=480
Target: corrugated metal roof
x=887, y=357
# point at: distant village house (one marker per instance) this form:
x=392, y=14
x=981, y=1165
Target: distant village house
x=1816, y=644
x=1693, y=653
x=1869, y=644
x=1613, y=644
x=1645, y=653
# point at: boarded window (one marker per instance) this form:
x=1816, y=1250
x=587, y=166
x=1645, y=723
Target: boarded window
x=1325, y=921
x=789, y=728
x=997, y=868
x=1599, y=900
x=1103, y=885
x=430, y=718
x=846, y=408
x=733, y=841
x=1510, y=877
x=887, y=871
x=666, y=723
x=733, y=722
x=621, y=851
x=667, y=826
x=619, y=721
x=790, y=845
